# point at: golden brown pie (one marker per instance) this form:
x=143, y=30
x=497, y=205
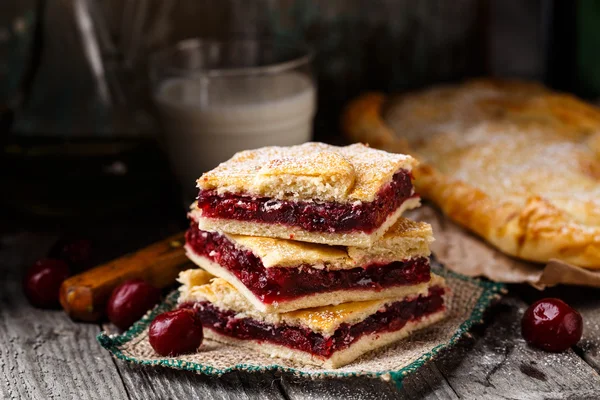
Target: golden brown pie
x=329, y=336
x=312, y=192
x=514, y=162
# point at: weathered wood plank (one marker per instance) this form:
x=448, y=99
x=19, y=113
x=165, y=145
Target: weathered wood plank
x=43, y=354
x=497, y=363
x=163, y=383
x=589, y=346
x=427, y=383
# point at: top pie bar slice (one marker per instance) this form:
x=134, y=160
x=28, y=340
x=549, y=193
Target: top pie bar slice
x=312, y=192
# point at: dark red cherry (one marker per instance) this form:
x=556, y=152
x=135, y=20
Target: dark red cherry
x=76, y=252
x=42, y=282
x=130, y=301
x=551, y=325
x=176, y=332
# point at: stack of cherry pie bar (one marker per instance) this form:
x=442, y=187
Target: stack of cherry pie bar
x=305, y=255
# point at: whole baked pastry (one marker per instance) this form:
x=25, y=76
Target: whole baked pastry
x=514, y=162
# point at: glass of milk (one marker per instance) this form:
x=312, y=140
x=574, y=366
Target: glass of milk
x=218, y=97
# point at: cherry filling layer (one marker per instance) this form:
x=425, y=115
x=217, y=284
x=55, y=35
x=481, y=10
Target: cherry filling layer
x=392, y=318
x=311, y=216
x=283, y=283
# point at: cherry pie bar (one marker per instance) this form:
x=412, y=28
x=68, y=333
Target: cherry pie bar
x=284, y=275
x=305, y=255
x=313, y=192
x=329, y=336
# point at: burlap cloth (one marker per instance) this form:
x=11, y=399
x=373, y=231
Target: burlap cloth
x=470, y=297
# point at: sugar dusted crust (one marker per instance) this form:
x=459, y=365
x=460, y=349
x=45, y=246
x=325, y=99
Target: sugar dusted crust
x=521, y=168
x=406, y=239
x=339, y=358
x=307, y=301
x=249, y=228
x=324, y=320
x=308, y=172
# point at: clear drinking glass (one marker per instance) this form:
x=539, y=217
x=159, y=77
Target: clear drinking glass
x=218, y=97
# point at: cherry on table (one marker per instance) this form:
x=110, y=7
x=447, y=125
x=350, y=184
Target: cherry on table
x=42, y=282
x=130, y=301
x=176, y=332
x=551, y=325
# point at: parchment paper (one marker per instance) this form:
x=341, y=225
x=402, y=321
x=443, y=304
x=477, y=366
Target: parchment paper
x=467, y=254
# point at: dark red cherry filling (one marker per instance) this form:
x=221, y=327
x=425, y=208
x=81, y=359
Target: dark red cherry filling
x=279, y=284
x=551, y=325
x=392, y=318
x=310, y=216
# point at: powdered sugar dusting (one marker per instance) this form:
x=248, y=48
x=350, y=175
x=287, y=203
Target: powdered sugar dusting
x=511, y=140
x=311, y=171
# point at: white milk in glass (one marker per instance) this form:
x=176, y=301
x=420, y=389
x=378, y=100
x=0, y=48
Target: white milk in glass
x=207, y=120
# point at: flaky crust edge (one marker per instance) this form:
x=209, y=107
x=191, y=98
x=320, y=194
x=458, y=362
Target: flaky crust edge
x=536, y=232
x=338, y=359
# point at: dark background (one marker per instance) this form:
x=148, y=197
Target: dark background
x=80, y=154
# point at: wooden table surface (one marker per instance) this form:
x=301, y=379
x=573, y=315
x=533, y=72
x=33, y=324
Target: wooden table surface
x=45, y=355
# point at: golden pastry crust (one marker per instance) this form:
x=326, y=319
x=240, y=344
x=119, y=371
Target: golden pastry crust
x=324, y=320
x=406, y=239
x=362, y=119
x=513, y=162
x=311, y=171
x=292, y=253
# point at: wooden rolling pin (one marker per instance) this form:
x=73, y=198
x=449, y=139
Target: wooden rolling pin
x=84, y=296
